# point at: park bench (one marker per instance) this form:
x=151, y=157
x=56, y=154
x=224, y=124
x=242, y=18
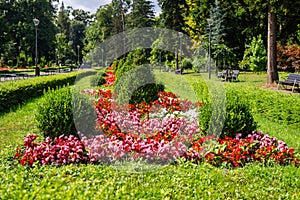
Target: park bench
x=292, y=80
x=179, y=71
x=235, y=74
x=223, y=74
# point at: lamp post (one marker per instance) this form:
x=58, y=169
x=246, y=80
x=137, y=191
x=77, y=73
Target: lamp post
x=209, y=21
x=78, y=47
x=37, y=70
x=56, y=56
x=71, y=63
x=102, y=51
x=180, y=36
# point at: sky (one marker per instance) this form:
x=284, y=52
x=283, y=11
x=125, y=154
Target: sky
x=93, y=5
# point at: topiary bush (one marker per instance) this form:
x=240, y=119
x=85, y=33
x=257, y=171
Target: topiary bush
x=146, y=93
x=55, y=114
x=98, y=79
x=238, y=117
x=136, y=86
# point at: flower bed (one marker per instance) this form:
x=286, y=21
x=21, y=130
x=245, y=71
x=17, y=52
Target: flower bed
x=161, y=132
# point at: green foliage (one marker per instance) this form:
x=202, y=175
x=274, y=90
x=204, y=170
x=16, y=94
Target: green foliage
x=13, y=93
x=146, y=93
x=43, y=61
x=170, y=19
x=201, y=58
x=84, y=115
x=54, y=114
x=215, y=24
x=68, y=113
x=255, y=56
x=186, y=64
x=133, y=59
x=277, y=107
x=137, y=85
x=98, y=79
x=142, y=14
x=238, y=117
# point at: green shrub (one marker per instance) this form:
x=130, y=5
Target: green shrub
x=274, y=106
x=136, y=86
x=98, y=79
x=146, y=93
x=65, y=112
x=54, y=114
x=255, y=56
x=237, y=119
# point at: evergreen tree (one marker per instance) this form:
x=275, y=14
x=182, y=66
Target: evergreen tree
x=142, y=14
x=63, y=21
x=173, y=14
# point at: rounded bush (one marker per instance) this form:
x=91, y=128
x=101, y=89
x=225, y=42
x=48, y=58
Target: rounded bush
x=54, y=114
x=238, y=117
x=98, y=79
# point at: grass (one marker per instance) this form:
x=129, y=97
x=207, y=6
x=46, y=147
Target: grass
x=289, y=134
x=183, y=181
x=18, y=123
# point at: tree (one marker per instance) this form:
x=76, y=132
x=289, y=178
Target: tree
x=173, y=14
x=215, y=31
x=63, y=21
x=272, y=45
x=18, y=32
x=100, y=29
x=142, y=14
x=79, y=23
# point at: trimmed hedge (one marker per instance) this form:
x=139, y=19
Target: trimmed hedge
x=273, y=105
x=98, y=79
x=68, y=113
x=238, y=117
x=13, y=93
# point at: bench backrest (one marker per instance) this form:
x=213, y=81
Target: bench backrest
x=293, y=77
x=224, y=72
x=235, y=73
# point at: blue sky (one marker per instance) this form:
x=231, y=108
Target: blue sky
x=93, y=5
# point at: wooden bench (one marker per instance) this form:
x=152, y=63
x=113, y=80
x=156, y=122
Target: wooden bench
x=179, y=71
x=292, y=80
x=223, y=74
x=235, y=74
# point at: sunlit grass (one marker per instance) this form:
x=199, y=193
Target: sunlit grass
x=18, y=123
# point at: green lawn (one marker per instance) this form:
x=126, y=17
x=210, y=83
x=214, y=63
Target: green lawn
x=183, y=181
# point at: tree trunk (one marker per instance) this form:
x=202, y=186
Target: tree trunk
x=272, y=47
x=176, y=58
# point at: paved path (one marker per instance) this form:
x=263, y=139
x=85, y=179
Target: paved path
x=14, y=77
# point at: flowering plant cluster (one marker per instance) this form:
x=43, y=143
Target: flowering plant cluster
x=256, y=147
x=158, y=131
x=110, y=78
x=62, y=150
